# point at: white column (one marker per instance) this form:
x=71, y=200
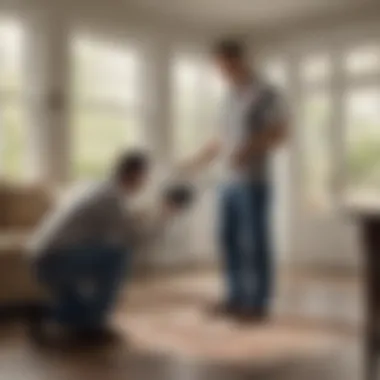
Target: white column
x=47, y=77
x=157, y=100
x=159, y=127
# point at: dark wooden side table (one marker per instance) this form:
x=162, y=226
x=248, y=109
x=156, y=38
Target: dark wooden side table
x=368, y=217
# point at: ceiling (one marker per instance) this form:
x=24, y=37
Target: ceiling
x=246, y=14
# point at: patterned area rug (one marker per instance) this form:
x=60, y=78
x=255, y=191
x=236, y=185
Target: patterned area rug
x=169, y=318
x=190, y=333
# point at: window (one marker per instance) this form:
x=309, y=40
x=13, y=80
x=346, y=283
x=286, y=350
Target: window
x=214, y=95
x=363, y=60
x=275, y=72
x=362, y=107
x=316, y=69
x=106, y=105
x=315, y=131
x=362, y=121
x=197, y=91
x=315, y=127
x=13, y=136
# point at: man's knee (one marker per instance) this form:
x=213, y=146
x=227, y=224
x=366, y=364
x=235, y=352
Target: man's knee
x=113, y=265
x=116, y=257
x=46, y=269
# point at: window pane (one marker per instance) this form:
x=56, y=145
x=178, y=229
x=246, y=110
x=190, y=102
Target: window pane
x=197, y=93
x=363, y=60
x=13, y=137
x=106, y=108
x=186, y=88
x=97, y=138
x=104, y=72
x=275, y=72
x=11, y=48
x=363, y=141
x=316, y=69
x=211, y=106
x=315, y=144
x=13, y=141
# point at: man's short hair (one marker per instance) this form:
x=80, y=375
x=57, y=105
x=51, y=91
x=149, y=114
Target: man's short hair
x=230, y=49
x=131, y=164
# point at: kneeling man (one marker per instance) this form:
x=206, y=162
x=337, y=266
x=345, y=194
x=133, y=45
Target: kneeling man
x=80, y=253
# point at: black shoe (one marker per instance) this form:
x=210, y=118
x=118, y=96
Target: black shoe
x=256, y=316
x=37, y=315
x=228, y=309
x=100, y=335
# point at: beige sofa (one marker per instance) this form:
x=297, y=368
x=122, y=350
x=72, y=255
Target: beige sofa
x=21, y=209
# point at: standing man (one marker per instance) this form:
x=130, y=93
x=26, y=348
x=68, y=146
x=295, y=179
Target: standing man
x=253, y=125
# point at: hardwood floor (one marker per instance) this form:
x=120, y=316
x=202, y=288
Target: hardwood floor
x=167, y=335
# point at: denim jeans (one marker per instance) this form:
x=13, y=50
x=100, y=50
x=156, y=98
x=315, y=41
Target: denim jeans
x=245, y=240
x=84, y=283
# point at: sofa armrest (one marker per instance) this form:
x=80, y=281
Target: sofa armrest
x=17, y=282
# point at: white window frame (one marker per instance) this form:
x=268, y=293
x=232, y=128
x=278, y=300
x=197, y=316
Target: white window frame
x=114, y=107
x=9, y=97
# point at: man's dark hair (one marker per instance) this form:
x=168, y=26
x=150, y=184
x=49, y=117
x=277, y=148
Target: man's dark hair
x=131, y=164
x=229, y=49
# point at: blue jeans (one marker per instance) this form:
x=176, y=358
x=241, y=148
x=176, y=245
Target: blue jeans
x=245, y=242
x=84, y=283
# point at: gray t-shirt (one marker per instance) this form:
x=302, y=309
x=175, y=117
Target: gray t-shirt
x=247, y=111
x=96, y=214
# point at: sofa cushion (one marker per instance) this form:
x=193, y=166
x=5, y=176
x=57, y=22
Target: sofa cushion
x=17, y=282
x=13, y=241
x=25, y=206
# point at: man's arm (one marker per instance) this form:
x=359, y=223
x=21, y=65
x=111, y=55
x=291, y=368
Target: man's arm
x=150, y=223
x=203, y=158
